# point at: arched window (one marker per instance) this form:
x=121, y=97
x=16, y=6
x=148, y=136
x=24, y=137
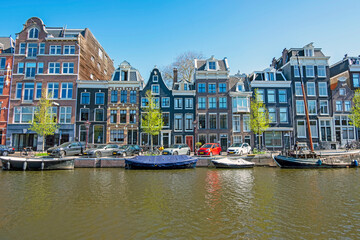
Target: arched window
x=34, y=33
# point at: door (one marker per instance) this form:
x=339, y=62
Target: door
x=223, y=143
x=165, y=139
x=189, y=142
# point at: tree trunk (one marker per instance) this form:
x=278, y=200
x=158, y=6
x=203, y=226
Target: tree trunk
x=43, y=143
x=259, y=142
x=151, y=143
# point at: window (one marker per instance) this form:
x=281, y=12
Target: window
x=155, y=78
x=236, y=123
x=55, y=50
x=84, y=114
x=339, y=106
x=178, y=139
x=186, y=87
x=314, y=129
x=23, y=114
x=202, y=121
x=324, y=109
x=124, y=75
x=310, y=88
x=301, y=131
x=122, y=116
x=347, y=106
x=273, y=139
x=165, y=102
x=212, y=88
x=212, y=65
x=155, y=89
x=144, y=102
x=283, y=115
x=20, y=68
x=240, y=87
x=188, y=122
x=282, y=96
x=296, y=71
x=18, y=90
x=28, y=91
x=269, y=76
x=222, y=102
x=300, y=109
x=22, y=48
x=100, y=53
x=85, y=98
x=70, y=49
x=66, y=90
x=32, y=50
x=68, y=67
x=212, y=138
x=123, y=96
x=246, y=123
x=38, y=90
x=114, y=96
x=321, y=71
x=237, y=139
x=113, y=116
x=98, y=134
x=325, y=127
x=99, y=98
x=188, y=103
x=342, y=91
x=30, y=70
x=323, y=92
x=201, y=103
x=178, y=103
x=223, y=121
x=34, y=33
x=260, y=95
x=157, y=102
x=308, y=52
x=54, y=68
x=133, y=97
x=132, y=116
x=239, y=104
x=222, y=87
x=178, y=122
x=271, y=96
x=312, y=107
x=65, y=115
x=116, y=135
x=53, y=90
x=53, y=113
x=356, y=81
x=201, y=88
x=41, y=48
x=212, y=103
x=40, y=69
x=212, y=121
x=298, y=89
x=272, y=115
x=166, y=119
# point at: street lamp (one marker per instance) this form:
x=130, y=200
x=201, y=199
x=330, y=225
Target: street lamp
x=87, y=125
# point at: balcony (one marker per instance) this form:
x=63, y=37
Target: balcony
x=240, y=109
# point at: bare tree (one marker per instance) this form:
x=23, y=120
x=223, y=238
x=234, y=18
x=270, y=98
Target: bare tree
x=185, y=65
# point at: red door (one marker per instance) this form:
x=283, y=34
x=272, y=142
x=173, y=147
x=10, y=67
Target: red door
x=189, y=142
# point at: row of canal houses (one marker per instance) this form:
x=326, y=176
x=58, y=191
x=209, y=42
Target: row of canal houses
x=94, y=102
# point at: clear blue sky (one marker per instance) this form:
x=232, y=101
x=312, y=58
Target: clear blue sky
x=248, y=33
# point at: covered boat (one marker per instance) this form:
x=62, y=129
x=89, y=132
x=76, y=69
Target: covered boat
x=229, y=163
x=17, y=163
x=160, y=162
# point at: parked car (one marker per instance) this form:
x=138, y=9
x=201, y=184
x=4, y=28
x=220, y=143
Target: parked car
x=210, y=149
x=177, y=149
x=5, y=150
x=128, y=150
x=67, y=149
x=239, y=149
x=101, y=150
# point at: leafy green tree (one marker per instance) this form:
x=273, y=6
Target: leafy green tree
x=44, y=123
x=152, y=121
x=355, y=110
x=259, y=116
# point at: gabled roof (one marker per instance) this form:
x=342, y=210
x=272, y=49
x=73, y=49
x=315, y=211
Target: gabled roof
x=200, y=64
x=7, y=44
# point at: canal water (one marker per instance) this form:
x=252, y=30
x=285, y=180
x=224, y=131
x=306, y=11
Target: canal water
x=259, y=203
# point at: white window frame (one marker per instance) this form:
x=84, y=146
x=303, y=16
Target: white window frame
x=216, y=121
x=98, y=93
x=54, y=68
x=309, y=69
x=178, y=103
x=297, y=129
x=152, y=89
x=202, y=114
x=168, y=100
x=323, y=69
x=314, y=134
x=65, y=86
x=309, y=86
x=296, y=71
x=189, y=125
x=181, y=122
x=21, y=66
x=345, y=108
x=56, y=49
x=211, y=84
x=80, y=114
x=68, y=68
x=298, y=103
x=323, y=85
x=246, y=123
x=342, y=91
x=297, y=88
x=41, y=48
x=40, y=65
x=236, y=123
x=287, y=115
x=66, y=114
x=189, y=103
x=155, y=78
x=162, y=115
x=327, y=107
x=69, y=48
x=308, y=103
x=30, y=31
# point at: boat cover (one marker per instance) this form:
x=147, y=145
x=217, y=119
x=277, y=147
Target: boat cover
x=162, y=161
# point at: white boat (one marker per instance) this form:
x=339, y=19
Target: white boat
x=229, y=163
x=18, y=163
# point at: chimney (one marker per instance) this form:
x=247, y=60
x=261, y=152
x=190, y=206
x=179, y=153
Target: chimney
x=175, y=75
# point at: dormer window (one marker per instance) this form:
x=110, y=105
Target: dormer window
x=309, y=52
x=124, y=76
x=270, y=76
x=155, y=78
x=34, y=33
x=186, y=87
x=240, y=87
x=212, y=66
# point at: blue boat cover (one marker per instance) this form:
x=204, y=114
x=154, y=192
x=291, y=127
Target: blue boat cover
x=162, y=161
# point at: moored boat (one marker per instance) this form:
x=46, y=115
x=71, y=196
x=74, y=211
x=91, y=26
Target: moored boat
x=17, y=163
x=160, y=162
x=229, y=163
